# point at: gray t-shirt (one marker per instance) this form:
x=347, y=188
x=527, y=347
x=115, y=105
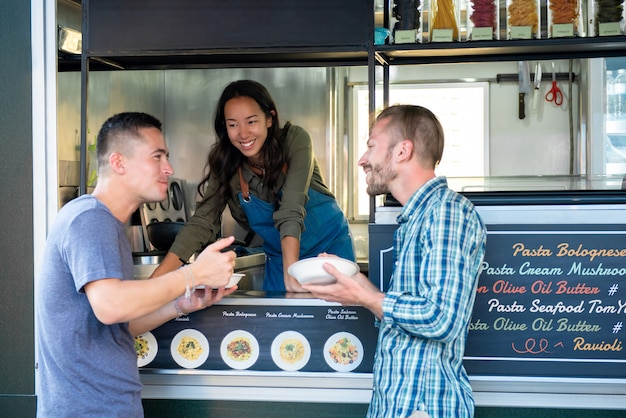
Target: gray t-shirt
x=85, y=368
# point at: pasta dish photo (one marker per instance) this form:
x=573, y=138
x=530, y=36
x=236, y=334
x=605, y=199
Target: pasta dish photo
x=189, y=348
x=291, y=350
x=239, y=349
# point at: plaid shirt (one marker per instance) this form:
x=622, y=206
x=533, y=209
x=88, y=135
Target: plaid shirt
x=438, y=249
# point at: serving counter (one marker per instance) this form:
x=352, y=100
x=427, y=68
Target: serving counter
x=255, y=345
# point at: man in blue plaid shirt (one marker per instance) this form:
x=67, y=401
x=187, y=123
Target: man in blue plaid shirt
x=423, y=317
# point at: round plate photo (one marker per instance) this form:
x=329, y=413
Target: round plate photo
x=190, y=348
x=343, y=352
x=146, y=347
x=239, y=349
x=290, y=351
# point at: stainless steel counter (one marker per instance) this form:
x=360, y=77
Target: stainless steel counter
x=252, y=265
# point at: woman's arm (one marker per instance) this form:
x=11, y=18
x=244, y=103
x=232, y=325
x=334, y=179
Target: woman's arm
x=291, y=252
x=289, y=217
x=170, y=263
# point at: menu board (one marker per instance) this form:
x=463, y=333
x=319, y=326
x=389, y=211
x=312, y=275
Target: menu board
x=551, y=301
x=264, y=335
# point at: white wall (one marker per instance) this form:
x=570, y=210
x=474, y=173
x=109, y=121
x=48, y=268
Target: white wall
x=536, y=145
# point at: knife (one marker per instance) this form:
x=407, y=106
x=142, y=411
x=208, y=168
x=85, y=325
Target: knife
x=524, y=86
x=537, y=86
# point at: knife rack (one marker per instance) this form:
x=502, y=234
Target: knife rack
x=510, y=78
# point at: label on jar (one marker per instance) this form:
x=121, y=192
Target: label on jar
x=562, y=30
x=521, y=32
x=405, y=36
x=442, y=35
x=482, y=34
x=609, y=29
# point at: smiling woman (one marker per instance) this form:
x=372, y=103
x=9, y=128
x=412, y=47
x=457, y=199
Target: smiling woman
x=270, y=179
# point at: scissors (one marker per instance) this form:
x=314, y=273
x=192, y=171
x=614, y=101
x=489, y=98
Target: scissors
x=554, y=94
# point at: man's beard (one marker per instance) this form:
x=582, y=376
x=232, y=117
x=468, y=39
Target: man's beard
x=379, y=178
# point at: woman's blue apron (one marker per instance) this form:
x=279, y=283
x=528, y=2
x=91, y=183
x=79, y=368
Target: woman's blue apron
x=325, y=230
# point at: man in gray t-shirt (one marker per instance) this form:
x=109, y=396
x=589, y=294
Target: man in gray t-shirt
x=88, y=307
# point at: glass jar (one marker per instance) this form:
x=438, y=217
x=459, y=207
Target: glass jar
x=406, y=21
x=483, y=17
x=523, y=19
x=608, y=17
x=564, y=18
x=443, y=22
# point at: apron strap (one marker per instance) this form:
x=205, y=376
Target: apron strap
x=245, y=187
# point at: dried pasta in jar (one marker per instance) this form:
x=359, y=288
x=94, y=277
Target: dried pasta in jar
x=609, y=17
x=523, y=19
x=483, y=20
x=563, y=18
x=443, y=21
x=405, y=20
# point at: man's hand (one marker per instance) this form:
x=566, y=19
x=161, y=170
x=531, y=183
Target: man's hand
x=357, y=290
x=213, y=268
x=203, y=298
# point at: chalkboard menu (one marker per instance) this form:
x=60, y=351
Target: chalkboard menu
x=551, y=301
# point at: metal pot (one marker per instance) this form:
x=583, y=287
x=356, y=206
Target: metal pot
x=162, y=234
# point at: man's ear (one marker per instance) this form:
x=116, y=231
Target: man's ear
x=116, y=160
x=404, y=150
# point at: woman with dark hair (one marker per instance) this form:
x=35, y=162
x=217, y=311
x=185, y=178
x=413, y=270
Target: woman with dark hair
x=270, y=180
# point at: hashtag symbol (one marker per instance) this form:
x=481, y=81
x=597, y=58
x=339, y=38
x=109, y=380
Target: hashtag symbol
x=617, y=327
x=613, y=289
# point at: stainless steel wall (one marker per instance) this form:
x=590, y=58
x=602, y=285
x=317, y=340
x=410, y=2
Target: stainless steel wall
x=185, y=102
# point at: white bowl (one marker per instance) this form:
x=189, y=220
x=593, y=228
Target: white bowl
x=310, y=270
x=234, y=279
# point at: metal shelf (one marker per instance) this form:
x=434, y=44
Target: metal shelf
x=221, y=58
x=352, y=55
x=510, y=50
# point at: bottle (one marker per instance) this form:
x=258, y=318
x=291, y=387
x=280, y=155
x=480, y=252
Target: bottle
x=619, y=86
x=610, y=95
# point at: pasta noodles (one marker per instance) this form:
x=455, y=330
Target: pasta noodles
x=608, y=11
x=239, y=349
x=343, y=351
x=189, y=348
x=291, y=350
x=484, y=13
x=443, y=16
x=141, y=347
x=523, y=13
x=564, y=11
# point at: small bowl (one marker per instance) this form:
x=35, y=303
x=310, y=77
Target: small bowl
x=234, y=279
